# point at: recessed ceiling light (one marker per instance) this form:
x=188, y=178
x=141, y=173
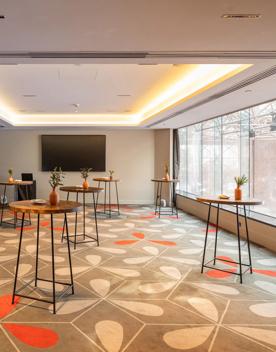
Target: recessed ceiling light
x=2, y=17
x=76, y=105
x=29, y=95
x=249, y=16
x=123, y=95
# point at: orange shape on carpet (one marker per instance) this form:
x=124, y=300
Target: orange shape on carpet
x=6, y=305
x=163, y=243
x=216, y=274
x=138, y=235
x=265, y=272
x=125, y=242
x=33, y=336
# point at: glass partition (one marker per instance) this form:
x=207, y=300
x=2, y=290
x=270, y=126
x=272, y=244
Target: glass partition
x=213, y=152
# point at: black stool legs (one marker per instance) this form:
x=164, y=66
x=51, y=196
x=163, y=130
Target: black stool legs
x=36, y=279
x=240, y=263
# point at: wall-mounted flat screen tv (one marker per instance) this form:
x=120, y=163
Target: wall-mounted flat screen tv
x=73, y=152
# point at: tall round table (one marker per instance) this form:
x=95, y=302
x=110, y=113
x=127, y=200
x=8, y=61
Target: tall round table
x=17, y=184
x=158, y=207
x=237, y=204
x=84, y=192
x=28, y=207
x=107, y=210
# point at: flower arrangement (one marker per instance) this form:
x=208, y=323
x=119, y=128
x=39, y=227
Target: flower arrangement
x=56, y=179
x=85, y=174
x=111, y=172
x=10, y=172
x=166, y=170
x=240, y=181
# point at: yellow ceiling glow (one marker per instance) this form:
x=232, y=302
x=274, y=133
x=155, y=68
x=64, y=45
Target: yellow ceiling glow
x=192, y=80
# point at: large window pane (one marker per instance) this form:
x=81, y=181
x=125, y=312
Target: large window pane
x=213, y=152
x=194, y=159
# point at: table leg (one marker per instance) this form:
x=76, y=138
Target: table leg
x=96, y=221
x=117, y=198
x=156, y=200
x=76, y=223
x=62, y=236
x=160, y=195
x=28, y=197
x=104, y=196
x=69, y=252
x=14, y=219
x=99, y=182
x=83, y=204
x=171, y=192
x=3, y=204
x=18, y=257
x=216, y=238
x=109, y=198
x=37, y=248
x=53, y=265
x=248, y=240
x=206, y=235
x=239, y=242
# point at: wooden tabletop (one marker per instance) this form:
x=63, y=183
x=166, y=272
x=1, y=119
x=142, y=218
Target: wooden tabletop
x=80, y=189
x=26, y=206
x=105, y=179
x=230, y=201
x=163, y=180
x=16, y=182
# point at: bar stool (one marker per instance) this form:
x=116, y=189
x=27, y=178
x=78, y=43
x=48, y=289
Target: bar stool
x=107, y=206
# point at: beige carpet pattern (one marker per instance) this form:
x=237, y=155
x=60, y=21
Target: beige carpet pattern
x=140, y=291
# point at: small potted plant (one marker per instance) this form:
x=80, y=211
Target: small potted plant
x=167, y=175
x=85, y=174
x=56, y=179
x=10, y=179
x=111, y=172
x=240, y=181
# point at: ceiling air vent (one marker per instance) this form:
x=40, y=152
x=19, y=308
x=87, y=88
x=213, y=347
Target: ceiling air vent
x=242, y=16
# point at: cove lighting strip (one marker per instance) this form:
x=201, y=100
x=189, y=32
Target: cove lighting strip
x=200, y=78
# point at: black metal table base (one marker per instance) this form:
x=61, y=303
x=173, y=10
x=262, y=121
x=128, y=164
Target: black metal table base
x=158, y=207
x=13, y=221
x=84, y=234
x=107, y=206
x=16, y=292
x=239, y=263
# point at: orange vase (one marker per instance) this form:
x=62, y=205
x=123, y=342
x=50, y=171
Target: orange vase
x=111, y=178
x=167, y=177
x=54, y=197
x=85, y=184
x=238, y=194
x=10, y=179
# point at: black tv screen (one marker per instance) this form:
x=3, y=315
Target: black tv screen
x=72, y=152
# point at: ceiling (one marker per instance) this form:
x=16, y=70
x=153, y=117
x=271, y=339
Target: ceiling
x=128, y=25
x=93, y=63
x=101, y=94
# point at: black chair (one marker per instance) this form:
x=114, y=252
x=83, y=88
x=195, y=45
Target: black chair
x=27, y=192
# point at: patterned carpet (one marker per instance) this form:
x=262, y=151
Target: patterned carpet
x=141, y=290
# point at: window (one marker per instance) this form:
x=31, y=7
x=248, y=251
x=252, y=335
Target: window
x=213, y=152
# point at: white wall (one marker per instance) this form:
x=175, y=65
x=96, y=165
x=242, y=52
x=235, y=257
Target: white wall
x=129, y=152
x=163, y=155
